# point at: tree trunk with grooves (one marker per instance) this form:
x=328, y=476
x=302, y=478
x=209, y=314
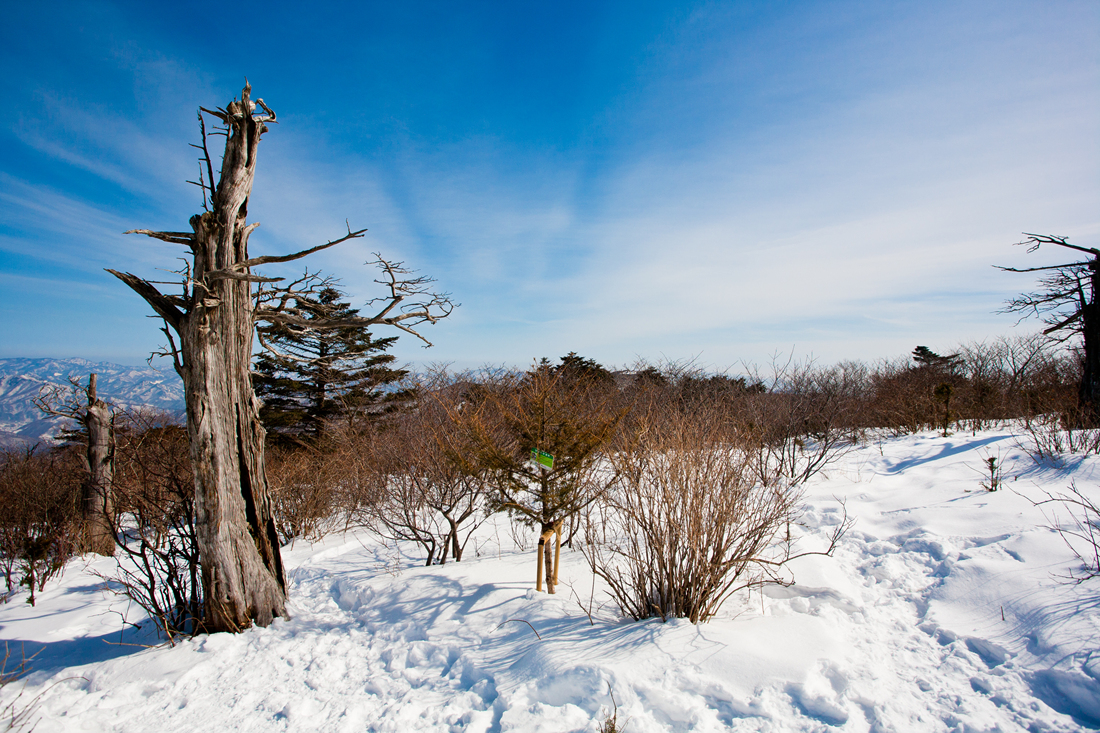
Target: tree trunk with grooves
x=98, y=501
x=242, y=572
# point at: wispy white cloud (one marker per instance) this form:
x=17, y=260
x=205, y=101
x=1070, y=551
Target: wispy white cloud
x=838, y=180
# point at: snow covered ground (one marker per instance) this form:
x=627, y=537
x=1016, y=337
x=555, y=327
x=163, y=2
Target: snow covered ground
x=942, y=610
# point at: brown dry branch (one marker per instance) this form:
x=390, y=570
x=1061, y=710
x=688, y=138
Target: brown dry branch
x=159, y=557
x=39, y=514
x=306, y=484
x=803, y=422
x=428, y=494
x=1081, y=532
x=690, y=523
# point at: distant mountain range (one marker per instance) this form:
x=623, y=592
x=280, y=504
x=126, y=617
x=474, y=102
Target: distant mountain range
x=21, y=380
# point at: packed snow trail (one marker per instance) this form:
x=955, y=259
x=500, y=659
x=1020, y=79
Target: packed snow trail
x=940, y=611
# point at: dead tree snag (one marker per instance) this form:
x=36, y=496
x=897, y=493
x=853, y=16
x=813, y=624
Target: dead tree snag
x=97, y=493
x=210, y=328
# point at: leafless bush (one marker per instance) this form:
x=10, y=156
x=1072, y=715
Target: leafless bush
x=690, y=524
x=304, y=488
x=806, y=419
x=39, y=514
x=428, y=493
x=158, y=566
x=1050, y=436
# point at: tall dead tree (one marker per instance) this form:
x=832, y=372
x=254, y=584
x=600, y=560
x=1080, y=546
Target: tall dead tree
x=213, y=319
x=1066, y=302
x=97, y=493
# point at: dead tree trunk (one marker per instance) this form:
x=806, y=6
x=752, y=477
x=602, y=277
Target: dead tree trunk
x=213, y=318
x=98, y=499
x=97, y=532
x=1067, y=304
x=242, y=571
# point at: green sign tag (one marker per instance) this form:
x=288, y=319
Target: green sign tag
x=542, y=458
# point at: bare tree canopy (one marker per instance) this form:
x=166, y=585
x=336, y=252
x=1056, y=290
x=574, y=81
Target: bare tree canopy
x=210, y=327
x=1066, y=302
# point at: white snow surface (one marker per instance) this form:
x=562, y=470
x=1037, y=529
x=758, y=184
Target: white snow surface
x=944, y=609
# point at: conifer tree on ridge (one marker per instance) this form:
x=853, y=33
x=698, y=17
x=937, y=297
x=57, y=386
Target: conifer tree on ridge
x=307, y=377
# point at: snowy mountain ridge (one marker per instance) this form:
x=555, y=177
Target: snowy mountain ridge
x=21, y=380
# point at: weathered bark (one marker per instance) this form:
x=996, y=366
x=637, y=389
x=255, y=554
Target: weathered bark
x=539, y=555
x=242, y=572
x=98, y=501
x=241, y=567
x=557, y=551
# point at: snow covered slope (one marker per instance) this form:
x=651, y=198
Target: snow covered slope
x=21, y=380
x=941, y=611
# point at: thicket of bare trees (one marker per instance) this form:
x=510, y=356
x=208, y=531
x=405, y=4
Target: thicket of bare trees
x=40, y=519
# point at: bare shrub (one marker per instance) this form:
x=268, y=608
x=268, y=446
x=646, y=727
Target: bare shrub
x=304, y=484
x=158, y=566
x=1053, y=422
x=690, y=523
x=804, y=421
x=16, y=714
x=1049, y=437
x=39, y=514
x=427, y=492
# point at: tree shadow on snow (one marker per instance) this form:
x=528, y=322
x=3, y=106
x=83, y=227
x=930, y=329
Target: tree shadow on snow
x=47, y=657
x=948, y=450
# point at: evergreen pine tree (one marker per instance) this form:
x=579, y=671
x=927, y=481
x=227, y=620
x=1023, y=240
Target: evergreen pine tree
x=925, y=357
x=307, y=377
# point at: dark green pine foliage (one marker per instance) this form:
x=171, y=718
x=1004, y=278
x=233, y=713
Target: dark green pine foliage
x=308, y=377
x=574, y=367
x=925, y=357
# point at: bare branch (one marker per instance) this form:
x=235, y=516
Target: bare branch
x=298, y=255
x=220, y=113
x=206, y=156
x=270, y=117
x=1037, y=269
x=164, y=305
x=232, y=275
x=57, y=401
x=1062, y=324
x=275, y=305
x=187, y=238
x=1035, y=240
x=171, y=350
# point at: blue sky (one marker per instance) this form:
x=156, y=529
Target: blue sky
x=717, y=181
